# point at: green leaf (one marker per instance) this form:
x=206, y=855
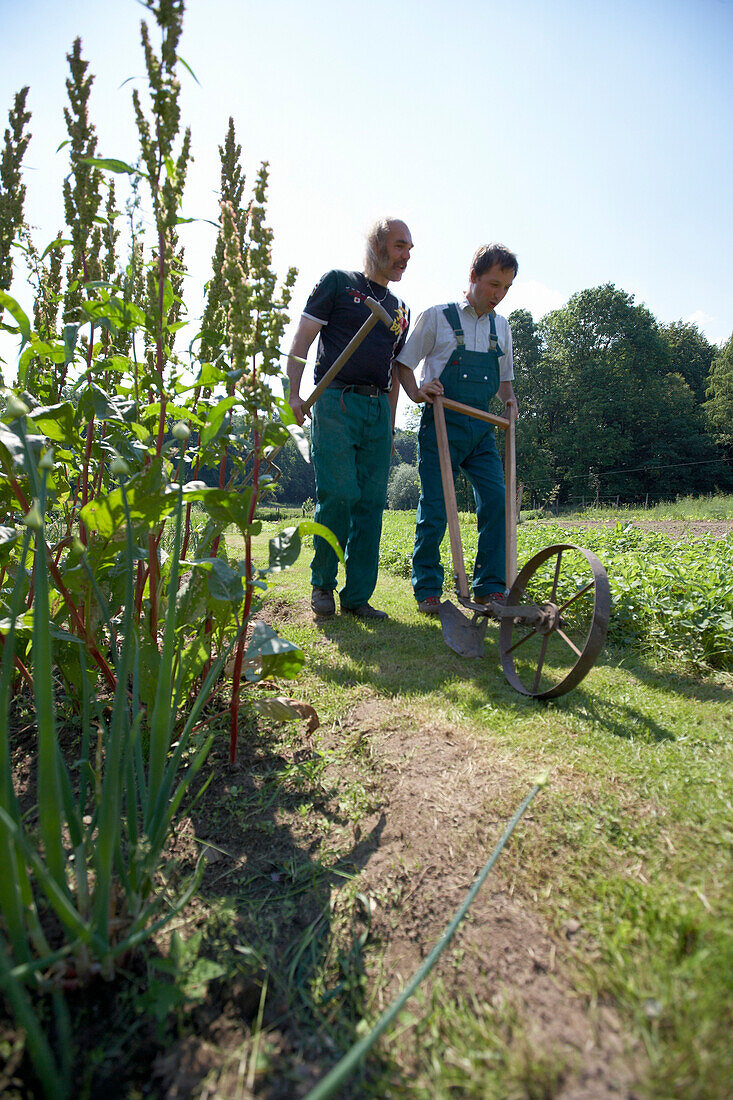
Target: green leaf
x=12, y=444
x=279, y=657
x=13, y=308
x=214, y=419
x=146, y=498
x=300, y=439
x=56, y=422
x=188, y=68
x=285, y=548
x=70, y=335
x=109, y=164
x=8, y=537
x=55, y=244
x=227, y=506
x=209, y=375
x=223, y=582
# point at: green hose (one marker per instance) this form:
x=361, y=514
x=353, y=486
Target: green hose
x=353, y=1057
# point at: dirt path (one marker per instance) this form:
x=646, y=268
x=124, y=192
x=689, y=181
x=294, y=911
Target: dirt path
x=680, y=530
x=438, y=789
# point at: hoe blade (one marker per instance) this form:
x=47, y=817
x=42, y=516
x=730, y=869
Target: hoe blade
x=463, y=635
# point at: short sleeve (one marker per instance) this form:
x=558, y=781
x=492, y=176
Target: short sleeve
x=322, y=299
x=405, y=325
x=506, y=363
x=421, y=342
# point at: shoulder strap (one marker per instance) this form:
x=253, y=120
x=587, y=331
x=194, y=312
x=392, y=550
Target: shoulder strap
x=493, y=341
x=451, y=315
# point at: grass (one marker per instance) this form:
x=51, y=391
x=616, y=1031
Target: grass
x=709, y=507
x=632, y=840
x=629, y=845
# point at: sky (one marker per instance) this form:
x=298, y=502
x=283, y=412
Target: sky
x=592, y=137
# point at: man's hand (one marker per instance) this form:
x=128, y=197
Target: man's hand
x=429, y=390
x=508, y=400
x=305, y=335
x=299, y=412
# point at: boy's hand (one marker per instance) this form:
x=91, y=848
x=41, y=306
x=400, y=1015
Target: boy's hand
x=429, y=390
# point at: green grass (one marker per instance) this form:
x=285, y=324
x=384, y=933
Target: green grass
x=632, y=837
x=715, y=506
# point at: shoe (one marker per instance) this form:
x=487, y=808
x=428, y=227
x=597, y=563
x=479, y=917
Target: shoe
x=366, y=611
x=493, y=597
x=429, y=606
x=323, y=603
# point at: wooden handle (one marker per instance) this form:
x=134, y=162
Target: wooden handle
x=510, y=483
x=378, y=313
x=449, y=495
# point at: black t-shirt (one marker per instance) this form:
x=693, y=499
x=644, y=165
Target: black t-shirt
x=338, y=303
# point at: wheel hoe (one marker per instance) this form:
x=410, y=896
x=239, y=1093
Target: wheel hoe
x=554, y=623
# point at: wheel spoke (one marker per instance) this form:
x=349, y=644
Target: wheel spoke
x=577, y=596
x=556, y=578
x=545, y=668
x=541, y=661
x=569, y=641
x=532, y=634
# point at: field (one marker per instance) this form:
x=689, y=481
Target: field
x=596, y=961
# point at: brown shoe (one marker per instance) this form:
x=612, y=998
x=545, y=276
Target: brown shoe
x=429, y=606
x=366, y=611
x=323, y=603
x=493, y=597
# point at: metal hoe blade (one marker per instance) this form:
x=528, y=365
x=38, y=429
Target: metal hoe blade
x=463, y=635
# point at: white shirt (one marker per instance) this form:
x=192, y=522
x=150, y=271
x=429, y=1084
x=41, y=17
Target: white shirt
x=433, y=341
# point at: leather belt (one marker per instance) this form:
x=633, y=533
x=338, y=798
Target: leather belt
x=363, y=391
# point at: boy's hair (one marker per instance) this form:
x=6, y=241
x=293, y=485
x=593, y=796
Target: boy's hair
x=489, y=254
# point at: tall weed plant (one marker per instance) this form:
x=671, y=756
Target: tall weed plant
x=103, y=446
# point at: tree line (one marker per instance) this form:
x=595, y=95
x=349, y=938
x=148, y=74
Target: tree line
x=613, y=404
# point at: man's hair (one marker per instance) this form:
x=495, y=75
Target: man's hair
x=375, y=256
x=489, y=254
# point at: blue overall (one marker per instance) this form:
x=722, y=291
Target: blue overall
x=471, y=377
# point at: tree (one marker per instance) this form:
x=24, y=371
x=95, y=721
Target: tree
x=612, y=410
x=719, y=405
x=690, y=354
x=403, y=491
x=405, y=448
x=539, y=398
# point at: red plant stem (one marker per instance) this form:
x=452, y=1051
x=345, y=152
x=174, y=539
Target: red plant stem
x=85, y=477
x=139, y=589
x=24, y=672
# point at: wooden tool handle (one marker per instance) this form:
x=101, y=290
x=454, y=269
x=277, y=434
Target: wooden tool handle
x=378, y=313
x=449, y=495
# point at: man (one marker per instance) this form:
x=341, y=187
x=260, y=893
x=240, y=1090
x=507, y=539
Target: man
x=353, y=419
x=466, y=351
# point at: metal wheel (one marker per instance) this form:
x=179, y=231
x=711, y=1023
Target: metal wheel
x=553, y=638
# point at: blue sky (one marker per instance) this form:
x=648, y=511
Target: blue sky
x=593, y=138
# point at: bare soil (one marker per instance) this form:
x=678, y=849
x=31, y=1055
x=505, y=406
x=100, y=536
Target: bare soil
x=680, y=530
x=438, y=807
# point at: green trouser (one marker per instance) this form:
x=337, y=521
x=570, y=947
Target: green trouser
x=351, y=446
x=472, y=378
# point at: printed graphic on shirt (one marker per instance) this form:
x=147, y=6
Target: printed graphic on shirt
x=401, y=321
x=357, y=295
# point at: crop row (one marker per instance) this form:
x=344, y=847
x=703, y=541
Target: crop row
x=671, y=598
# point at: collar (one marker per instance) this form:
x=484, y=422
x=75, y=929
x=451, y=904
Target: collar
x=466, y=307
